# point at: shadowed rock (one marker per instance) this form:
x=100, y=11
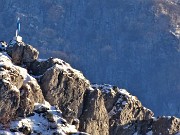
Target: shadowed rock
x=166, y=125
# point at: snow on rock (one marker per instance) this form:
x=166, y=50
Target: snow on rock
x=22, y=53
x=122, y=108
x=5, y=61
x=3, y=45
x=149, y=133
x=123, y=96
x=39, y=67
x=113, y=110
x=41, y=60
x=19, y=90
x=62, y=65
x=45, y=121
x=25, y=75
x=61, y=83
x=44, y=118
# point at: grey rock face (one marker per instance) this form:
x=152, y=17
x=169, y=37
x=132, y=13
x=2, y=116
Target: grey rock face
x=10, y=81
x=39, y=67
x=102, y=109
x=166, y=125
x=94, y=119
x=123, y=109
x=30, y=54
x=9, y=101
x=30, y=94
x=22, y=53
x=65, y=87
x=18, y=90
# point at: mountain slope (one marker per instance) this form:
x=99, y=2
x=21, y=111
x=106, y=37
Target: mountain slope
x=134, y=44
x=59, y=92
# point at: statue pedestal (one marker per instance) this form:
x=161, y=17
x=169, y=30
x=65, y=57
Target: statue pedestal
x=17, y=38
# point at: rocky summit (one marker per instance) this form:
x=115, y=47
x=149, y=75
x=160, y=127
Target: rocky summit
x=49, y=97
x=134, y=44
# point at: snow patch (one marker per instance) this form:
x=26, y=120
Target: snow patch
x=3, y=132
x=41, y=60
x=122, y=101
x=60, y=64
x=149, y=133
x=5, y=61
x=39, y=124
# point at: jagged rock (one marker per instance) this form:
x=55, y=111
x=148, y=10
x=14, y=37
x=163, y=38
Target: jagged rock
x=25, y=130
x=65, y=87
x=123, y=109
x=30, y=94
x=10, y=72
x=18, y=90
x=166, y=125
x=3, y=45
x=76, y=123
x=45, y=123
x=49, y=116
x=9, y=100
x=94, y=119
x=22, y=53
x=41, y=109
x=39, y=67
x=10, y=81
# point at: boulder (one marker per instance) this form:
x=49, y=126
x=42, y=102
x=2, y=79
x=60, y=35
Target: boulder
x=22, y=53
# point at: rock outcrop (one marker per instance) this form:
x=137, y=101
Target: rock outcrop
x=45, y=120
x=123, y=109
x=94, y=119
x=95, y=109
x=30, y=94
x=22, y=53
x=19, y=91
x=65, y=87
x=10, y=81
x=166, y=125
